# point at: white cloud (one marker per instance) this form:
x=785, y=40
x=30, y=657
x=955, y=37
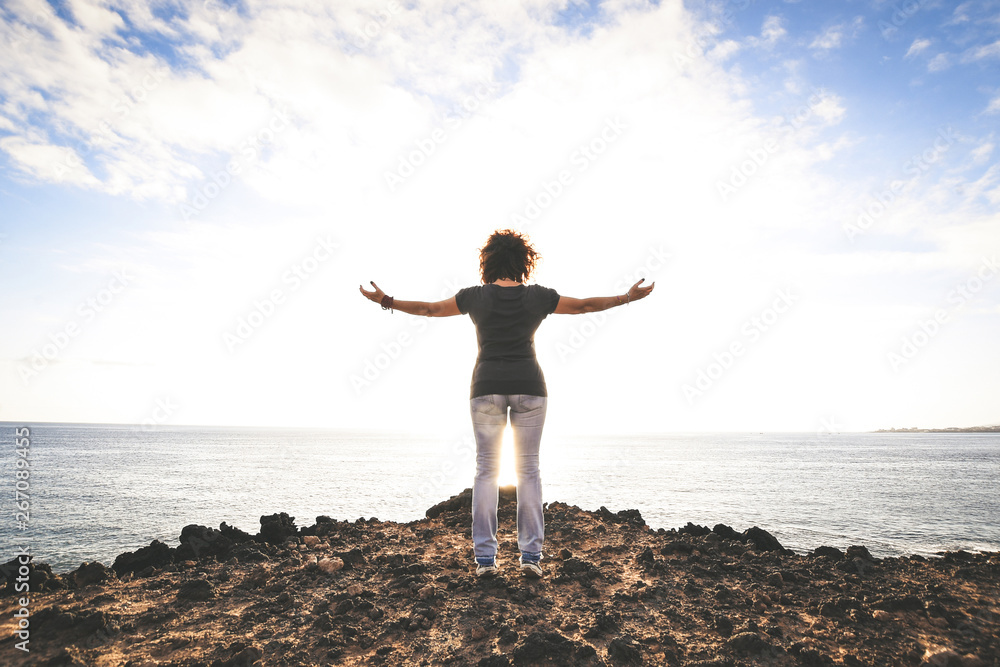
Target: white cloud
x=837, y=35
x=772, y=30
x=918, y=46
x=831, y=109
x=356, y=111
x=723, y=50
x=95, y=18
x=961, y=13
x=939, y=63
x=981, y=153
x=57, y=164
x=982, y=52
x=994, y=105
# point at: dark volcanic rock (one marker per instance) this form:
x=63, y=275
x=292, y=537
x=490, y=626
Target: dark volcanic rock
x=723, y=626
x=747, y=642
x=252, y=552
x=463, y=501
x=495, y=660
x=900, y=603
x=833, y=553
x=862, y=552
x=618, y=594
x=695, y=530
x=276, y=528
x=40, y=577
x=646, y=557
x=726, y=532
x=625, y=650
x=550, y=648
x=240, y=536
x=199, y=542
x=459, y=502
x=633, y=517
x=762, y=539
x=247, y=656
x=157, y=555
x=91, y=573
x=196, y=589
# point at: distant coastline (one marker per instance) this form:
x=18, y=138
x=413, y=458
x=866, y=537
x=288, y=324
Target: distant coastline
x=953, y=429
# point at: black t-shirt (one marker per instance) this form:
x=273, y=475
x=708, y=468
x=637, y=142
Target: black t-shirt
x=506, y=319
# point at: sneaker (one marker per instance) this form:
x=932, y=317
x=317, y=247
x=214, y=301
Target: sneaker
x=531, y=568
x=486, y=569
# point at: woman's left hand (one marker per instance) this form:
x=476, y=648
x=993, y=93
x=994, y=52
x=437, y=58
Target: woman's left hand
x=375, y=296
x=635, y=292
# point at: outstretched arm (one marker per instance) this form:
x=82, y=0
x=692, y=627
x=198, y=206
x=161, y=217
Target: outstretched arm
x=569, y=306
x=445, y=308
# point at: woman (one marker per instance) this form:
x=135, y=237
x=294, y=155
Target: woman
x=506, y=312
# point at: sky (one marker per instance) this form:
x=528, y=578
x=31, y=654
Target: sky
x=192, y=192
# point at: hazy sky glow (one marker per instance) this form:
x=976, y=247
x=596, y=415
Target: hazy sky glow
x=191, y=194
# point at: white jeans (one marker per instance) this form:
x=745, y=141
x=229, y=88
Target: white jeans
x=489, y=417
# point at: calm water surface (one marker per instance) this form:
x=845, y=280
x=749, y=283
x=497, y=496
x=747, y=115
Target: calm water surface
x=99, y=490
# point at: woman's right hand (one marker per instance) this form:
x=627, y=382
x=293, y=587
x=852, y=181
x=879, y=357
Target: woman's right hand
x=635, y=292
x=375, y=296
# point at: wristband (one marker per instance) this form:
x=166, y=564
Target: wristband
x=387, y=303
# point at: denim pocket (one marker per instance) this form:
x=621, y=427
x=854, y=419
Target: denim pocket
x=529, y=402
x=485, y=404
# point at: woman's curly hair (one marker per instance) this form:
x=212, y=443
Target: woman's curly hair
x=507, y=255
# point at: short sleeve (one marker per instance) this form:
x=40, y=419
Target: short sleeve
x=546, y=301
x=463, y=299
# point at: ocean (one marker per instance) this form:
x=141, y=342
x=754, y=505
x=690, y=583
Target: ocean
x=98, y=490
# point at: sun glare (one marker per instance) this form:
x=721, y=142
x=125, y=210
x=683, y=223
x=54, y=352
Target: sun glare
x=507, y=472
